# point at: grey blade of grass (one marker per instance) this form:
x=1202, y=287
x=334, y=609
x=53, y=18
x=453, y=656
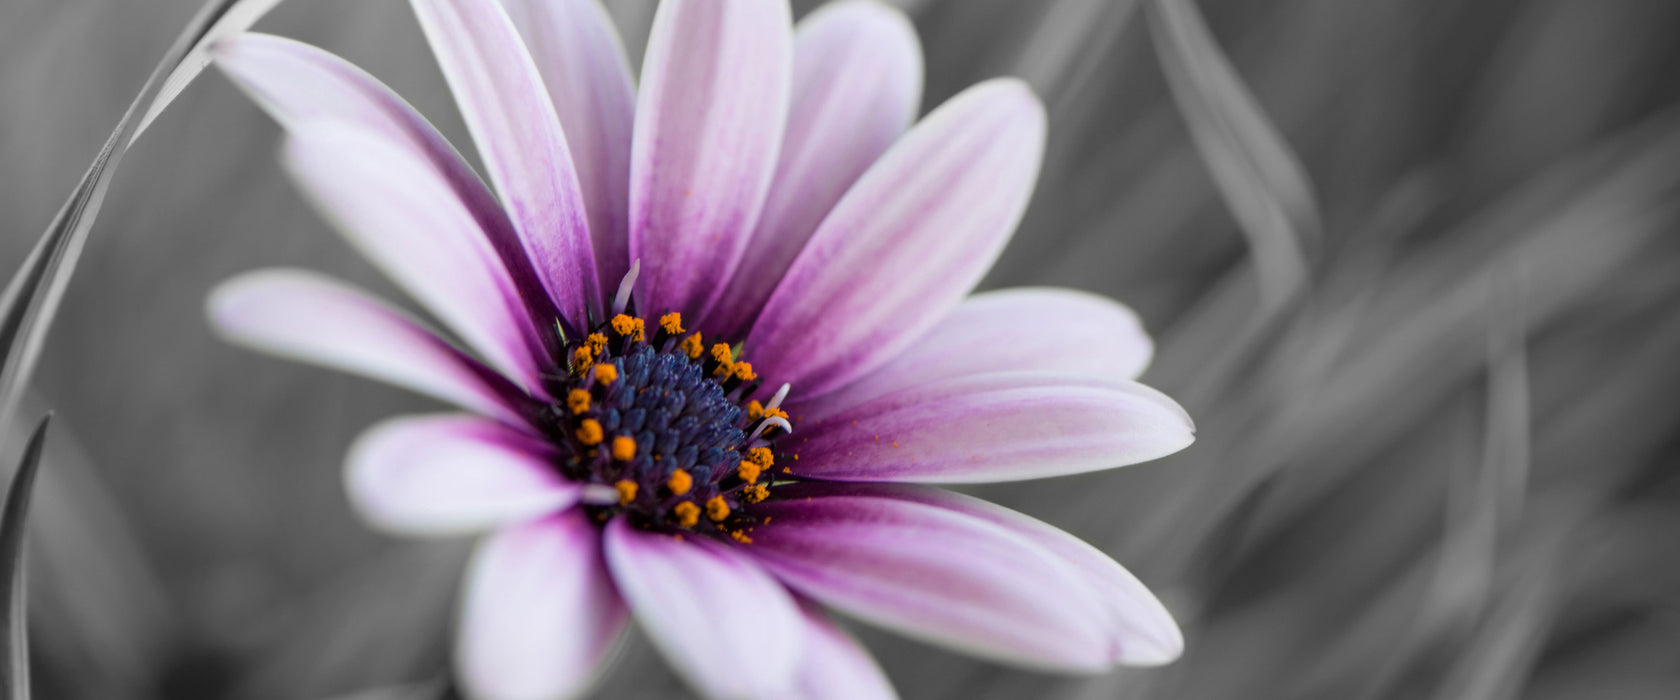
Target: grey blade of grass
x=32, y=296
x=14, y=625
x=1255, y=170
x=238, y=17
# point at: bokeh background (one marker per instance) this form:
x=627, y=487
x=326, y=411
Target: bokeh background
x=1411, y=264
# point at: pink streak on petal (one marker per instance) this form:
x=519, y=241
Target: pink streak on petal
x=991, y=427
x=1053, y=330
x=582, y=62
x=937, y=575
x=407, y=220
x=452, y=474
x=506, y=107
x=709, y=122
x=835, y=666
x=311, y=318
x=298, y=84
x=906, y=243
x=1144, y=631
x=539, y=613
x=719, y=619
x=857, y=82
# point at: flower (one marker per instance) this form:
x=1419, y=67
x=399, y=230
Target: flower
x=715, y=333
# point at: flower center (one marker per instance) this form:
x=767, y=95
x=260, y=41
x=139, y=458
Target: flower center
x=662, y=428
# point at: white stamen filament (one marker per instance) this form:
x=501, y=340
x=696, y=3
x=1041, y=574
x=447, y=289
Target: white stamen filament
x=776, y=401
x=765, y=425
x=622, y=299
x=598, y=495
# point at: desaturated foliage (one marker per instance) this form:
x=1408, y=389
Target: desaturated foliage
x=1409, y=263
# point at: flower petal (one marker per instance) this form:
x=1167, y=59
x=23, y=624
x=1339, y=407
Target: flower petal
x=582, y=62
x=857, y=81
x=539, y=613
x=722, y=622
x=407, y=220
x=709, y=120
x=506, y=107
x=311, y=318
x=934, y=574
x=1053, y=330
x=906, y=243
x=991, y=427
x=298, y=84
x=452, y=474
x=1144, y=632
x=835, y=666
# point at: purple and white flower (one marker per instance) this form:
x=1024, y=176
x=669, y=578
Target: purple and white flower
x=709, y=333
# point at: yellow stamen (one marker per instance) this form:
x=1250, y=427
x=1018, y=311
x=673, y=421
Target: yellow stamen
x=578, y=401
x=716, y=509
x=671, y=323
x=628, y=326
x=680, y=482
x=626, y=491
x=606, y=374
x=624, y=448
x=582, y=358
x=692, y=346
x=755, y=410
x=724, y=358
x=775, y=413
x=755, y=493
x=596, y=342
x=688, y=514
x=589, y=432
x=748, y=471
x=744, y=371
x=761, y=456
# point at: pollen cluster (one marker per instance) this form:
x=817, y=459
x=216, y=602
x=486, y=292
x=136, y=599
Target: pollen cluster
x=665, y=424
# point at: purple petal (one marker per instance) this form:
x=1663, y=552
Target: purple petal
x=709, y=120
x=857, y=81
x=724, y=624
x=1053, y=330
x=1143, y=631
x=934, y=574
x=835, y=666
x=992, y=427
x=582, y=62
x=298, y=83
x=407, y=220
x=506, y=107
x=452, y=474
x=310, y=318
x=538, y=613
x=906, y=243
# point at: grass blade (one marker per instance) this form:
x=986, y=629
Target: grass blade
x=1254, y=168
x=14, y=620
x=32, y=296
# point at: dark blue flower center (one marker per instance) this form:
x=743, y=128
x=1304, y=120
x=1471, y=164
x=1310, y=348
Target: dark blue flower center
x=662, y=429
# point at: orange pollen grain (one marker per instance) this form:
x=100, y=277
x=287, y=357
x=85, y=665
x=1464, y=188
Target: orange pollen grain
x=755, y=493
x=628, y=326
x=577, y=401
x=744, y=371
x=606, y=374
x=749, y=472
x=775, y=413
x=589, y=432
x=582, y=358
x=626, y=491
x=755, y=410
x=761, y=456
x=624, y=448
x=688, y=514
x=671, y=323
x=596, y=342
x=692, y=346
x=717, y=509
x=680, y=482
x=741, y=537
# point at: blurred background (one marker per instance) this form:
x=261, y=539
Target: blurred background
x=1410, y=264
